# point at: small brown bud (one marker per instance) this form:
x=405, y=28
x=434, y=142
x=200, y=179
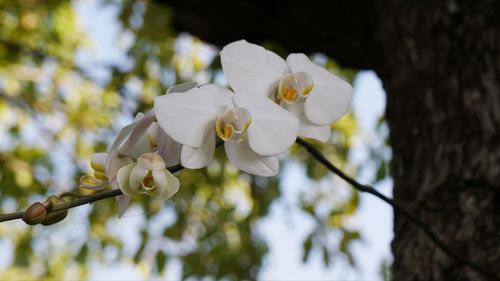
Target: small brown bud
x=57, y=216
x=35, y=214
x=51, y=201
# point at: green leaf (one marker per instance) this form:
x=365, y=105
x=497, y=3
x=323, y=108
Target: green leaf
x=347, y=238
x=307, y=247
x=326, y=256
x=144, y=240
x=382, y=170
x=81, y=257
x=161, y=260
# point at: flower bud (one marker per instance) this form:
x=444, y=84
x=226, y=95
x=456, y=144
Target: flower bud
x=98, y=162
x=35, y=214
x=57, y=216
x=51, y=201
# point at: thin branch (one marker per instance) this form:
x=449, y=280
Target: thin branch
x=11, y=216
x=399, y=209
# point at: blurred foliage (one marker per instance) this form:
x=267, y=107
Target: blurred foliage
x=60, y=102
x=385, y=270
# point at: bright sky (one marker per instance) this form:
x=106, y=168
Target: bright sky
x=286, y=226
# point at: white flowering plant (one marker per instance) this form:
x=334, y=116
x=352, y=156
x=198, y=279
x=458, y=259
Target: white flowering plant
x=272, y=102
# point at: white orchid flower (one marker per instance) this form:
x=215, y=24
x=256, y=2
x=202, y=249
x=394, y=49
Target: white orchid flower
x=141, y=136
x=310, y=92
x=138, y=138
x=148, y=176
x=254, y=128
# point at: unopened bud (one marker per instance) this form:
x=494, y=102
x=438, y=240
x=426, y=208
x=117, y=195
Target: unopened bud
x=35, y=214
x=57, y=216
x=51, y=201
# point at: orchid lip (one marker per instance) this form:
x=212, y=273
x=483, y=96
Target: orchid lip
x=232, y=123
x=148, y=183
x=294, y=87
x=147, y=176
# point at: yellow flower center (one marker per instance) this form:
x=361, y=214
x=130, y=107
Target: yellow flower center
x=232, y=124
x=224, y=130
x=289, y=94
x=294, y=87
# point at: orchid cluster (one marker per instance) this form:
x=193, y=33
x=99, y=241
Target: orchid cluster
x=273, y=101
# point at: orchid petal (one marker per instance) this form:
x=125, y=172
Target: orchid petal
x=143, y=145
x=244, y=119
x=181, y=88
x=137, y=175
x=317, y=132
x=273, y=129
x=169, y=149
x=112, y=164
x=123, y=203
x=306, y=128
x=166, y=184
x=128, y=147
x=222, y=96
x=160, y=183
x=139, y=116
x=123, y=178
x=152, y=134
x=123, y=143
x=148, y=142
x=199, y=157
x=250, y=67
x=172, y=185
x=115, y=163
x=184, y=116
x=243, y=157
x=330, y=96
x=151, y=161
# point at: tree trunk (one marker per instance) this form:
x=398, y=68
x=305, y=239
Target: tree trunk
x=441, y=75
x=440, y=65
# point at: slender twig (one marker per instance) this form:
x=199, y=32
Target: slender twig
x=400, y=210
x=11, y=216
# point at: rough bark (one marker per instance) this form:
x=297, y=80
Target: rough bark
x=440, y=65
x=443, y=107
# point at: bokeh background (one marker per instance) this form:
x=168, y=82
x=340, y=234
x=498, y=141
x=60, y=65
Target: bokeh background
x=72, y=73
